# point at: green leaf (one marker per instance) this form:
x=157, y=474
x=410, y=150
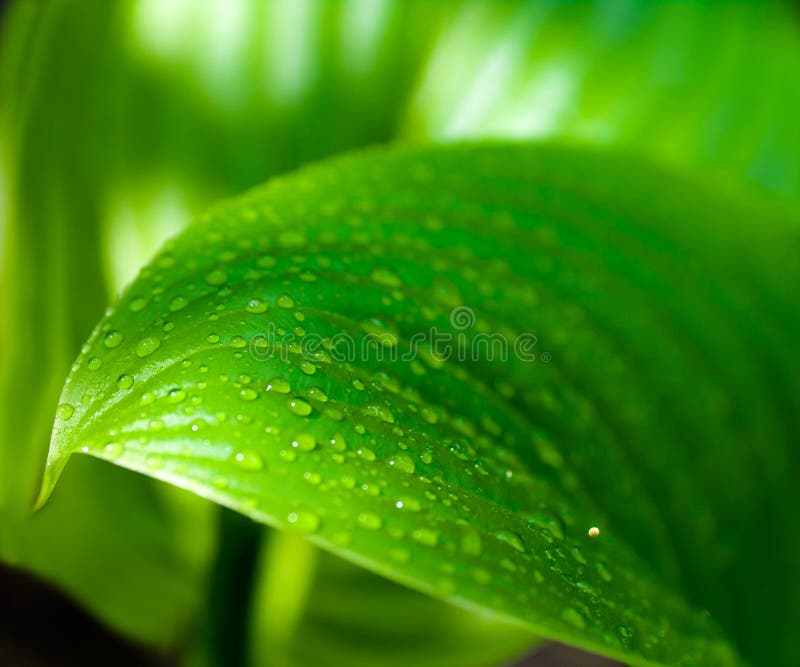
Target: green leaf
x=600, y=499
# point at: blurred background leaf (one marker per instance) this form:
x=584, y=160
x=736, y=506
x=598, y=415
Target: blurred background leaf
x=344, y=615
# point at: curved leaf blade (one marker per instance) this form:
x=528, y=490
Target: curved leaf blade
x=480, y=482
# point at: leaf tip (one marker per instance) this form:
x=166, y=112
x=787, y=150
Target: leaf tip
x=52, y=472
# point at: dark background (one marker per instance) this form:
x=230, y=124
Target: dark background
x=39, y=627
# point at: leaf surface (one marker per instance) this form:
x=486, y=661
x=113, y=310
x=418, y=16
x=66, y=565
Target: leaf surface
x=277, y=358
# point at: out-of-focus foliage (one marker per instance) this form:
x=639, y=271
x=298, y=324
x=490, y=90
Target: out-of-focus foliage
x=138, y=557
x=707, y=86
x=119, y=120
x=316, y=609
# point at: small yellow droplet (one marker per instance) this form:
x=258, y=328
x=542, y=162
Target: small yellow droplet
x=594, y=531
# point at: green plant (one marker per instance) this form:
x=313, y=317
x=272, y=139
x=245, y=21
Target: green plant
x=605, y=453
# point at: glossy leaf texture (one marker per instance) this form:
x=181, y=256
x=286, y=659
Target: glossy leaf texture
x=600, y=483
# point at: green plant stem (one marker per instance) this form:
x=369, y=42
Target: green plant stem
x=230, y=591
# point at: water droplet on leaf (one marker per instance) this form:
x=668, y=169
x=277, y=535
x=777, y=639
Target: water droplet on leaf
x=137, y=304
x=512, y=539
x=112, y=339
x=248, y=460
x=125, y=381
x=305, y=522
x=386, y=277
x=279, y=385
x=113, y=450
x=178, y=303
x=285, y=301
x=248, y=394
x=256, y=306
x=304, y=442
x=369, y=521
x=547, y=522
x=402, y=462
x=574, y=618
x=425, y=536
x=65, y=411
x=147, y=346
x=299, y=407
x=216, y=277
